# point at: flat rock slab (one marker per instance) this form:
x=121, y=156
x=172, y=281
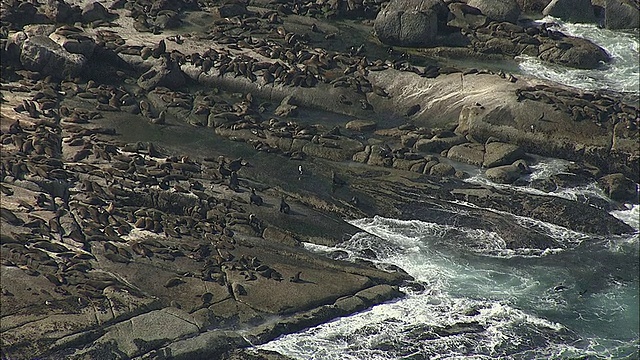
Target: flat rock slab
x=145, y=332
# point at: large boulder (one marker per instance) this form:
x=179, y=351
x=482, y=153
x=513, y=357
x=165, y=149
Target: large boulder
x=574, y=52
x=40, y=53
x=470, y=153
x=571, y=10
x=499, y=153
x=405, y=23
x=498, y=10
x=621, y=14
x=507, y=174
x=619, y=188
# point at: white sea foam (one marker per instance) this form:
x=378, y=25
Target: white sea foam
x=630, y=216
x=621, y=74
x=458, y=295
x=544, y=169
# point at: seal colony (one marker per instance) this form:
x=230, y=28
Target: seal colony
x=163, y=163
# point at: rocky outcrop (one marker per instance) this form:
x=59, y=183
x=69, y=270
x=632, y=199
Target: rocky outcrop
x=485, y=105
x=621, y=14
x=574, y=52
x=167, y=74
x=620, y=188
x=40, y=53
x=498, y=10
x=569, y=10
x=507, y=174
x=402, y=23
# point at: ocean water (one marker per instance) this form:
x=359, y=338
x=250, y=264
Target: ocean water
x=484, y=301
x=578, y=301
x=620, y=75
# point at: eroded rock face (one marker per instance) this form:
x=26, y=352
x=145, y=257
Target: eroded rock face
x=402, y=23
x=571, y=10
x=498, y=10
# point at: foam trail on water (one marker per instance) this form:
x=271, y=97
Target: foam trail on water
x=545, y=168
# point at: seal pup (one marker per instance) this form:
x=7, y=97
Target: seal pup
x=255, y=198
x=284, y=207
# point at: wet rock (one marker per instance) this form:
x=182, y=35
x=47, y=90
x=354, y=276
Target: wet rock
x=498, y=10
x=571, y=10
x=40, y=53
x=506, y=174
x=499, y=153
x=378, y=294
x=575, y=52
x=402, y=23
x=619, y=188
x=621, y=14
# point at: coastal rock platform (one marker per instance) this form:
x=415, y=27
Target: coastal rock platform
x=162, y=197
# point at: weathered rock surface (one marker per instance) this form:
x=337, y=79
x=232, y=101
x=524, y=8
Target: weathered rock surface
x=497, y=154
x=505, y=174
x=573, y=11
x=402, y=23
x=153, y=220
x=40, y=53
x=506, y=10
x=621, y=14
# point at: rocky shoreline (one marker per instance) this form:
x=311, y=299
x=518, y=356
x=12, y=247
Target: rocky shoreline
x=165, y=163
